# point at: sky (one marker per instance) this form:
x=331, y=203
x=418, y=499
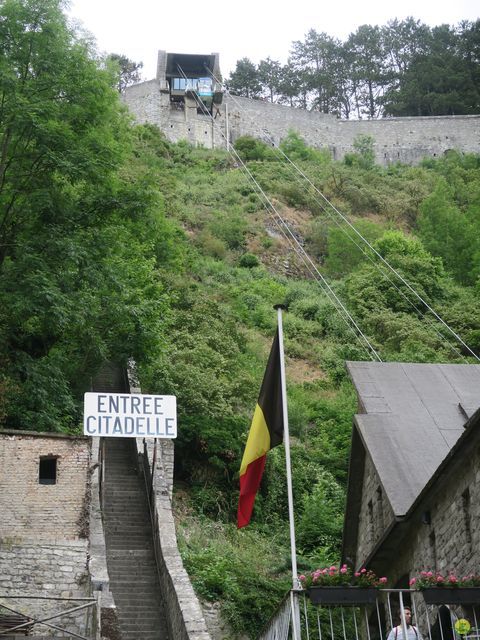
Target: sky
x=254, y=29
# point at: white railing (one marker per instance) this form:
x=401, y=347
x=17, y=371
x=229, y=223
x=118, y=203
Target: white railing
x=374, y=621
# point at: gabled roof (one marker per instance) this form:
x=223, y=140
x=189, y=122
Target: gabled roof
x=412, y=422
x=412, y=416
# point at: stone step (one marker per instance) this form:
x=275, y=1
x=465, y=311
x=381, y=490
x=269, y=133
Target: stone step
x=128, y=536
x=151, y=628
x=129, y=542
x=119, y=524
x=138, y=632
x=147, y=603
x=126, y=574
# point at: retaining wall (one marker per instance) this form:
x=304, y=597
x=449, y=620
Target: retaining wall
x=406, y=140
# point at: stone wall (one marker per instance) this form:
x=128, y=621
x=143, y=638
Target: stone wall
x=44, y=527
x=185, y=615
x=439, y=537
x=49, y=570
x=375, y=514
x=395, y=139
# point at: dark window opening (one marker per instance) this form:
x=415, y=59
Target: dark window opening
x=47, y=473
x=371, y=524
x=467, y=517
x=433, y=550
x=380, y=508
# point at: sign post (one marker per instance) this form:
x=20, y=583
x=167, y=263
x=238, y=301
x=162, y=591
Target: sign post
x=130, y=415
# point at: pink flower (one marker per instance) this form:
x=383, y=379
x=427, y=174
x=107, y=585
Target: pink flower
x=343, y=569
x=357, y=574
x=302, y=578
x=333, y=568
x=452, y=579
x=429, y=574
x=383, y=580
x=363, y=571
x=440, y=578
x=412, y=582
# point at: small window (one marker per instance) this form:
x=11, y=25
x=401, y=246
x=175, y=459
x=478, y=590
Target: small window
x=433, y=550
x=467, y=517
x=47, y=473
x=371, y=523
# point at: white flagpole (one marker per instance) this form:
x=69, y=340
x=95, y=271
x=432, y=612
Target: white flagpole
x=286, y=440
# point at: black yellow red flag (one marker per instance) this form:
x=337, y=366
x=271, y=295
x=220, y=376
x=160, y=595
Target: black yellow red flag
x=266, y=432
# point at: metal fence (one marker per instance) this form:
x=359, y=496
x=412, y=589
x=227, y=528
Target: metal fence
x=386, y=618
x=20, y=614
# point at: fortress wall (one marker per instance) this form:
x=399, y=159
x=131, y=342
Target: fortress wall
x=406, y=140
x=273, y=121
x=409, y=140
x=148, y=104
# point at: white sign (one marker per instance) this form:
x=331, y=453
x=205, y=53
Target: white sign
x=130, y=415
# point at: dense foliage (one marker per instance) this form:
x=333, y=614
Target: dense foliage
x=404, y=68
x=117, y=244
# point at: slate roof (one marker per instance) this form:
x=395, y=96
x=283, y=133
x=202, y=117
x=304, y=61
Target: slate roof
x=412, y=415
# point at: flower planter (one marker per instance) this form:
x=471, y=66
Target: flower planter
x=352, y=596
x=446, y=595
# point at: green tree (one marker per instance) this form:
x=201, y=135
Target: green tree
x=368, y=291
x=318, y=57
x=370, y=71
x=269, y=75
x=447, y=232
x=290, y=85
x=80, y=233
x=127, y=71
x=244, y=81
x=344, y=247
x=57, y=120
x=403, y=41
x=441, y=80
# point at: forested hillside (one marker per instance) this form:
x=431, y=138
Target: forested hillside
x=117, y=244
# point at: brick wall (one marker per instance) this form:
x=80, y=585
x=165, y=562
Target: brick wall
x=42, y=512
x=43, y=544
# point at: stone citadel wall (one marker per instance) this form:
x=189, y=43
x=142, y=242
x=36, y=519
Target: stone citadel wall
x=406, y=140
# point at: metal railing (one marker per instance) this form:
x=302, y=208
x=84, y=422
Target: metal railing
x=384, y=619
x=91, y=622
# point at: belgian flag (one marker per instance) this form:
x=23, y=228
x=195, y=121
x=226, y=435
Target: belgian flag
x=266, y=432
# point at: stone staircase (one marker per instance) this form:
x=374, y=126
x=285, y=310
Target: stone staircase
x=129, y=541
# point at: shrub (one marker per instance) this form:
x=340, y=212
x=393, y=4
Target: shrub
x=249, y=148
x=249, y=260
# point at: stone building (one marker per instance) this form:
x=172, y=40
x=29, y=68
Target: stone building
x=413, y=499
x=44, y=502
x=173, y=101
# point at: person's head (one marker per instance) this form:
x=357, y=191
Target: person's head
x=408, y=614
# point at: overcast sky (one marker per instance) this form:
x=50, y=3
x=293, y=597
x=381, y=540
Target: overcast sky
x=254, y=29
